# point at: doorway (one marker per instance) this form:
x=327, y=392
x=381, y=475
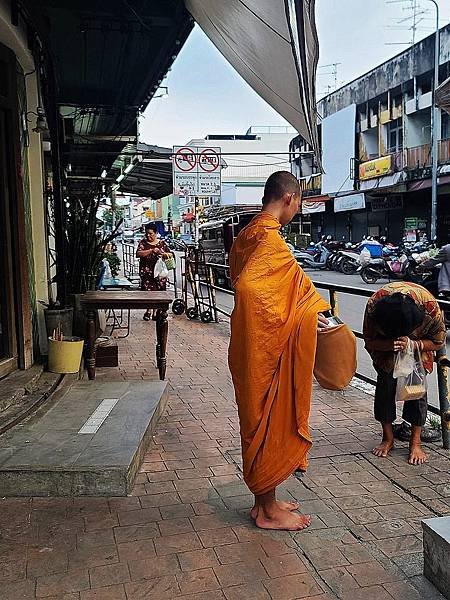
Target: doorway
x=8, y=328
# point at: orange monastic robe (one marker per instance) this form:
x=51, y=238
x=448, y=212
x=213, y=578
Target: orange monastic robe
x=271, y=353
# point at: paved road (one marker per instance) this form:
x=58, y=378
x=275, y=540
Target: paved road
x=351, y=310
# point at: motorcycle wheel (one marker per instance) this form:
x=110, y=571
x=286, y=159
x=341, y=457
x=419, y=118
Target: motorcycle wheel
x=333, y=263
x=369, y=275
x=348, y=268
x=339, y=263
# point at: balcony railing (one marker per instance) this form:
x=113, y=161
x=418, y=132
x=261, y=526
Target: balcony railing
x=444, y=152
x=420, y=156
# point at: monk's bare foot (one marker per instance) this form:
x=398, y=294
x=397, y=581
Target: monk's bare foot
x=282, y=520
x=417, y=456
x=383, y=449
x=290, y=506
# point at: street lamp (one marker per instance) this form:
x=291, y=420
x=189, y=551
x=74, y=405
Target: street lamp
x=434, y=128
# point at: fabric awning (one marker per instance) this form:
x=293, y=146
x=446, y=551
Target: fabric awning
x=443, y=96
x=152, y=176
x=273, y=45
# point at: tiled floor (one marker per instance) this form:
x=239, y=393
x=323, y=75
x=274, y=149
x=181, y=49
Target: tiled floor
x=185, y=531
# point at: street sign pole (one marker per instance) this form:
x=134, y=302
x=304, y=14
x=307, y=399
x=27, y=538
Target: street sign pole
x=196, y=231
x=434, y=131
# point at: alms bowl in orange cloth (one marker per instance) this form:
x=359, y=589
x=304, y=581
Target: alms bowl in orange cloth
x=335, y=363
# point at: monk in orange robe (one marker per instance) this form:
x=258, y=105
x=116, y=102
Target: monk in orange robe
x=271, y=355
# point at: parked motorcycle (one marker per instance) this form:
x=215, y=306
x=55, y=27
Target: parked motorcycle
x=348, y=260
x=317, y=261
x=385, y=268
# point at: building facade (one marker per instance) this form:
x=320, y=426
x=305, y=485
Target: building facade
x=376, y=152
x=24, y=238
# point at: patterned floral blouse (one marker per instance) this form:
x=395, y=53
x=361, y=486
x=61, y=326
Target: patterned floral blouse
x=147, y=265
x=433, y=327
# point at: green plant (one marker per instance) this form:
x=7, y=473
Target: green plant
x=114, y=262
x=434, y=423
x=107, y=215
x=85, y=242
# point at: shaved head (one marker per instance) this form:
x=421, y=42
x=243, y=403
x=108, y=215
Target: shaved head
x=278, y=185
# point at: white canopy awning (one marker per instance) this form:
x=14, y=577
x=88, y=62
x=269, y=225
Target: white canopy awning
x=273, y=45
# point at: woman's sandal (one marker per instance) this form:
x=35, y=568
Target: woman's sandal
x=146, y=317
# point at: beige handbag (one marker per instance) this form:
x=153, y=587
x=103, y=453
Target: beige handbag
x=335, y=363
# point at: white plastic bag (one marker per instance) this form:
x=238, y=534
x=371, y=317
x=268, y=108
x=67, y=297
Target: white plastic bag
x=107, y=274
x=414, y=385
x=161, y=271
x=404, y=362
x=364, y=257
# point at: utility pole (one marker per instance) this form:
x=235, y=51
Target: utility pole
x=434, y=129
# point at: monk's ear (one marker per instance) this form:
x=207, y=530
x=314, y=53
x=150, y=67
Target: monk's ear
x=288, y=199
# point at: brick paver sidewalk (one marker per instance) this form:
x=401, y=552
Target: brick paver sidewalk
x=185, y=532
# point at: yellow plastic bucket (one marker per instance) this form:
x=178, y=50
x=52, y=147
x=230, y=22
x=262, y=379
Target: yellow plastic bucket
x=65, y=356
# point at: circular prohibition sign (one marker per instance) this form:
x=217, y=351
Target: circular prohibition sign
x=208, y=160
x=185, y=159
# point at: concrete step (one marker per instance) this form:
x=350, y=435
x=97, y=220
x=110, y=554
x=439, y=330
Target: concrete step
x=25, y=400
x=436, y=553
x=17, y=384
x=89, y=439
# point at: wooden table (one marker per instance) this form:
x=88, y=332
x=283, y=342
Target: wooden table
x=160, y=301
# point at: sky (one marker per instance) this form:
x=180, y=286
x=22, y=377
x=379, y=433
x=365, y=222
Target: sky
x=206, y=95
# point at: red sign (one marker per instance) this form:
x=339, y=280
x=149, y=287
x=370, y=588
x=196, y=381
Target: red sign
x=209, y=160
x=185, y=159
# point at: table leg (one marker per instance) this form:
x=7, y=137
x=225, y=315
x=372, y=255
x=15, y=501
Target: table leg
x=90, y=339
x=161, y=345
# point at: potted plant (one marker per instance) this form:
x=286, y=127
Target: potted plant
x=57, y=317
x=85, y=250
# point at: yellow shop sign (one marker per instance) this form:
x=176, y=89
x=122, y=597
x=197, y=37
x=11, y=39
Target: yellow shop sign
x=376, y=168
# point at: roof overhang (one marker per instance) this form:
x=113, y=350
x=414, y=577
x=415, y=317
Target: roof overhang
x=149, y=173
x=109, y=59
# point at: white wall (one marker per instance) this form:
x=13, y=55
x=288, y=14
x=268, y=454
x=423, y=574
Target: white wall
x=417, y=129
x=233, y=194
x=252, y=167
x=370, y=140
x=228, y=194
x=338, y=148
